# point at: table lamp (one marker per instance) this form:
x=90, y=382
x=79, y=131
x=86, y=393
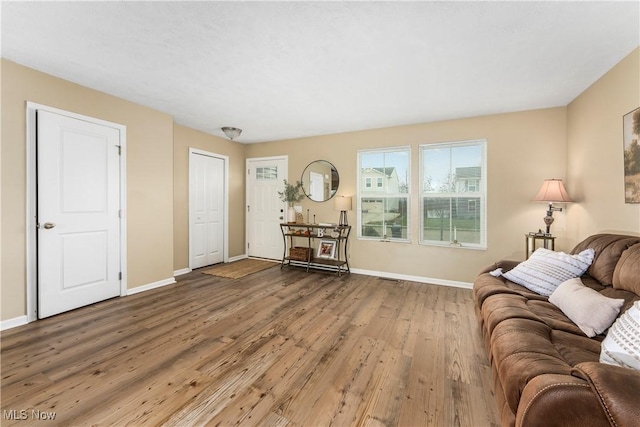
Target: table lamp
x=342, y=204
x=552, y=190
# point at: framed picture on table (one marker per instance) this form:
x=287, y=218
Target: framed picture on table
x=327, y=249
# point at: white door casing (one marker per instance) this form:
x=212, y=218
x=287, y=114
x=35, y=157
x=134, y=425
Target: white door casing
x=265, y=210
x=72, y=245
x=208, y=201
x=78, y=213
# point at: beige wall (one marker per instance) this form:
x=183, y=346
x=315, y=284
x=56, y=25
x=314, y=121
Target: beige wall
x=523, y=149
x=185, y=138
x=149, y=177
x=595, y=153
x=581, y=143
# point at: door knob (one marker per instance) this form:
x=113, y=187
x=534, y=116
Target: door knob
x=49, y=225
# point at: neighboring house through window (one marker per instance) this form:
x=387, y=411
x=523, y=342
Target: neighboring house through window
x=383, y=208
x=453, y=193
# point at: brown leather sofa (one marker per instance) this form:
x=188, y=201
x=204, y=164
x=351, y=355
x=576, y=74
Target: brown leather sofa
x=546, y=371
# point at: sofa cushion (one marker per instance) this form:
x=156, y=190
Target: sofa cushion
x=553, y=317
x=608, y=249
x=627, y=272
x=522, y=349
x=591, y=311
x=545, y=270
x=622, y=345
x=574, y=348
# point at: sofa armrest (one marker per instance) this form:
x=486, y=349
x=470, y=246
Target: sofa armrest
x=505, y=264
x=559, y=400
x=617, y=388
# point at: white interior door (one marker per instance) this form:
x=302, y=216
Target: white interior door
x=78, y=215
x=316, y=186
x=265, y=210
x=206, y=209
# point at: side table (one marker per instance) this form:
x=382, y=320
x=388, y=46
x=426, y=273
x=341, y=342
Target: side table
x=531, y=243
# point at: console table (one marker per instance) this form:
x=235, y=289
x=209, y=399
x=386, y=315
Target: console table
x=317, y=246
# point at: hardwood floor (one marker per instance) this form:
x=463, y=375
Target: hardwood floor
x=276, y=348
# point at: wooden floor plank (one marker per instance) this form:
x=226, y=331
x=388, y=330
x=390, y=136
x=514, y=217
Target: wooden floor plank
x=275, y=348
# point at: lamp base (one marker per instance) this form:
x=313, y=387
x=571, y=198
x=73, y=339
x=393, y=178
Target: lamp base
x=548, y=220
x=343, y=218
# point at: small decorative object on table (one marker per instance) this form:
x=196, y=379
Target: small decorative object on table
x=327, y=249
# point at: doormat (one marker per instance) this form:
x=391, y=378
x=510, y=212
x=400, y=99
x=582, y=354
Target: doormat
x=238, y=269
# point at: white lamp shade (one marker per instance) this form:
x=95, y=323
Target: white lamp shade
x=552, y=190
x=342, y=203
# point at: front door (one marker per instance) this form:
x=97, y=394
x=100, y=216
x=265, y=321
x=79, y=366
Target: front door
x=265, y=210
x=78, y=214
x=206, y=209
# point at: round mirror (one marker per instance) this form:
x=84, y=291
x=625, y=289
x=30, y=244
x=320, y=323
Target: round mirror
x=320, y=180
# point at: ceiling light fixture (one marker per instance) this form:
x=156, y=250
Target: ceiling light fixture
x=231, y=132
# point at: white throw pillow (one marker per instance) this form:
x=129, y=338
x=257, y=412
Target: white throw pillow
x=592, y=312
x=545, y=269
x=621, y=346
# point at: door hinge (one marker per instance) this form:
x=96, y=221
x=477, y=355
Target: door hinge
x=119, y=150
x=248, y=245
x=248, y=208
x=119, y=213
x=120, y=276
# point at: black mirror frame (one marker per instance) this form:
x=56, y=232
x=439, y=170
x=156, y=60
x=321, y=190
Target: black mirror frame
x=335, y=181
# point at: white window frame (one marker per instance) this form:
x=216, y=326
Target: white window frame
x=480, y=193
x=359, y=196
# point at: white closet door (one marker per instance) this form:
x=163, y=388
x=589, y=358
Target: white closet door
x=78, y=174
x=206, y=209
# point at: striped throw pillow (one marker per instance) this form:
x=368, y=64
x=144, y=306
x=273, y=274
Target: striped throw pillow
x=545, y=270
x=621, y=346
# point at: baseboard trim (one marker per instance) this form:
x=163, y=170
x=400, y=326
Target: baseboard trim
x=419, y=279
x=182, y=271
x=238, y=258
x=150, y=286
x=13, y=323
x=22, y=320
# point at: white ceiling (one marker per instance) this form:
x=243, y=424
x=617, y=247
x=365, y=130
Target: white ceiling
x=282, y=70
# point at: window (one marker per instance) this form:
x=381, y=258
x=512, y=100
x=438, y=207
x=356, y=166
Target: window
x=453, y=193
x=268, y=172
x=383, y=208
